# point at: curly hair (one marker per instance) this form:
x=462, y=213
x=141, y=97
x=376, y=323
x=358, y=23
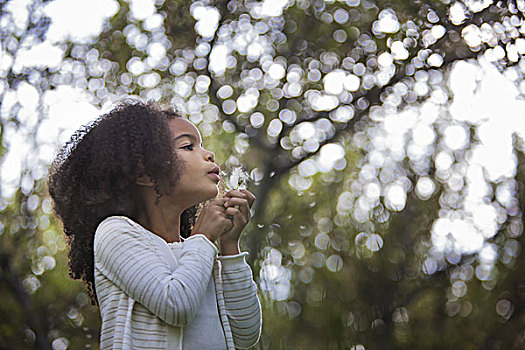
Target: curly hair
x=94, y=176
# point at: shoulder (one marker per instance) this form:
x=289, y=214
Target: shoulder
x=117, y=227
x=112, y=221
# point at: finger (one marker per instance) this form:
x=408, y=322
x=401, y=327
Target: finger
x=217, y=209
x=241, y=204
x=218, y=202
x=231, y=202
x=214, y=202
x=241, y=194
x=234, y=193
x=232, y=211
x=249, y=196
x=237, y=215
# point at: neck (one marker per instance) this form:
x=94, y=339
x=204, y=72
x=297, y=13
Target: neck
x=163, y=219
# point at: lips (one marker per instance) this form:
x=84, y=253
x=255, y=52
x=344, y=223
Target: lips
x=215, y=173
x=215, y=170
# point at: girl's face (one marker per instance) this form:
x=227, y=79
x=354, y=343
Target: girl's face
x=199, y=175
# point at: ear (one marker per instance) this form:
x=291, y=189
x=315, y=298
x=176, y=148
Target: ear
x=144, y=180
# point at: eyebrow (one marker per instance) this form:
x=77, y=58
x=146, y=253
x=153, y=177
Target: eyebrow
x=190, y=136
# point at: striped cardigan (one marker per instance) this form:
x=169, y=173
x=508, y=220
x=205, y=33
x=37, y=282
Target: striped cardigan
x=146, y=296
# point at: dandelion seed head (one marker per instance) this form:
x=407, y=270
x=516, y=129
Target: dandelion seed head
x=238, y=179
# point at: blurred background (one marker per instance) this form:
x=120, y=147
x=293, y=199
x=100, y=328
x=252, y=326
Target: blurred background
x=383, y=140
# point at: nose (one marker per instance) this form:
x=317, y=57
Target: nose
x=210, y=156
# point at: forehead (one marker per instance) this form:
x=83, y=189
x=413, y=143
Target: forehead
x=181, y=126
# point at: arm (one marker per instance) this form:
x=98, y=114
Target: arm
x=241, y=301
x=240, y=291
x=125, y=256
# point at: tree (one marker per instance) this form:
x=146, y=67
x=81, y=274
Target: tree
x=301, y=92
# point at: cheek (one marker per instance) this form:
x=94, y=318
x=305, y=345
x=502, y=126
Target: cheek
x=186, y=168
x=178, y=169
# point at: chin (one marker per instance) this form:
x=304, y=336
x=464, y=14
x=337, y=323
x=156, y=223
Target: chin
x=214, y=193
x=211, y=194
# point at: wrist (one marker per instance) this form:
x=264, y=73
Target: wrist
x=229, y=247
x=212, y=239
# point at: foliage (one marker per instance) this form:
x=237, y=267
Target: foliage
x=41, y=306
x=304, y=94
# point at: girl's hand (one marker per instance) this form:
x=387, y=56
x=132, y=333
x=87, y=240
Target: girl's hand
x=238, y=204
x=213, y=220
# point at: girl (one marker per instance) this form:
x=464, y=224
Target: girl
x=127, y=189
